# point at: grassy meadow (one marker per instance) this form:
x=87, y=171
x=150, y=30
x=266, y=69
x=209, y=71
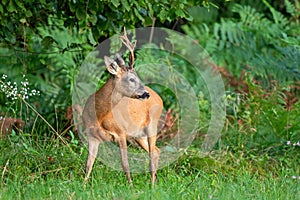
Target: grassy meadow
x=34, y=167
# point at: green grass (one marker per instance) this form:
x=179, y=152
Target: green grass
x=170, y=186
x=47, y=169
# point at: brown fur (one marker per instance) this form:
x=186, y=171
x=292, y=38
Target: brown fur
x=110, y=116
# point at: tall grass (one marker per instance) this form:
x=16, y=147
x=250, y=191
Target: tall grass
x=37, y=167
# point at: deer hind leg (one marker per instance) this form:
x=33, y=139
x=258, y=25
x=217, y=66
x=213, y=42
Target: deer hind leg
x=93, y=145
x=123, y=150
x=143, y=142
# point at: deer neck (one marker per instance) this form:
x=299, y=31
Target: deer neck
x=112, y=97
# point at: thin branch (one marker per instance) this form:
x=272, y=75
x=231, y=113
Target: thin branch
x=5, y=169
x=152, y=29
x=130, y=47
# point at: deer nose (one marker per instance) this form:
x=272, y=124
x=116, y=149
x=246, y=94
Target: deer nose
x=145, y=95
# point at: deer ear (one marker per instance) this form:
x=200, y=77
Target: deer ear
x=119, y=60
x=112, y=66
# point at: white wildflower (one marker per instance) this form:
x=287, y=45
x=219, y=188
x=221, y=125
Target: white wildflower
x=13, y=92
x=4, y=76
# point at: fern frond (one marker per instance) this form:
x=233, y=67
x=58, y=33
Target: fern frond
x=268, y=47
x=249, y=16
x=290, y=8
x=277, y=16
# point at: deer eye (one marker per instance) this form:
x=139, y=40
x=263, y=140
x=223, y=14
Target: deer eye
x=132, y=80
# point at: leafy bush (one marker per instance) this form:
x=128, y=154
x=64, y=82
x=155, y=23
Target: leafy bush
x=48, y=41
x=260, y=119
x=105, y=18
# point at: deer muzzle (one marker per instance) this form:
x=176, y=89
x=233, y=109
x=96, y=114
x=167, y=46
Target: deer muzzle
x=145, y=95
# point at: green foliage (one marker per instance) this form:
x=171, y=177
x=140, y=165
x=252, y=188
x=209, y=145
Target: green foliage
x=51, y=63
x=48, y=40
x=268, y=48
x=102, y=18
x=261, y=120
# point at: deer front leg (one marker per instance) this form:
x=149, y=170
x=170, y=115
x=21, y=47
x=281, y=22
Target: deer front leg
x=124, y=156
x=154, y=153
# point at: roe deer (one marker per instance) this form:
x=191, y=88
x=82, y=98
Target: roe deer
x=123, y=107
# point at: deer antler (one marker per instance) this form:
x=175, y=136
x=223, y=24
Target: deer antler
x=130, y=46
